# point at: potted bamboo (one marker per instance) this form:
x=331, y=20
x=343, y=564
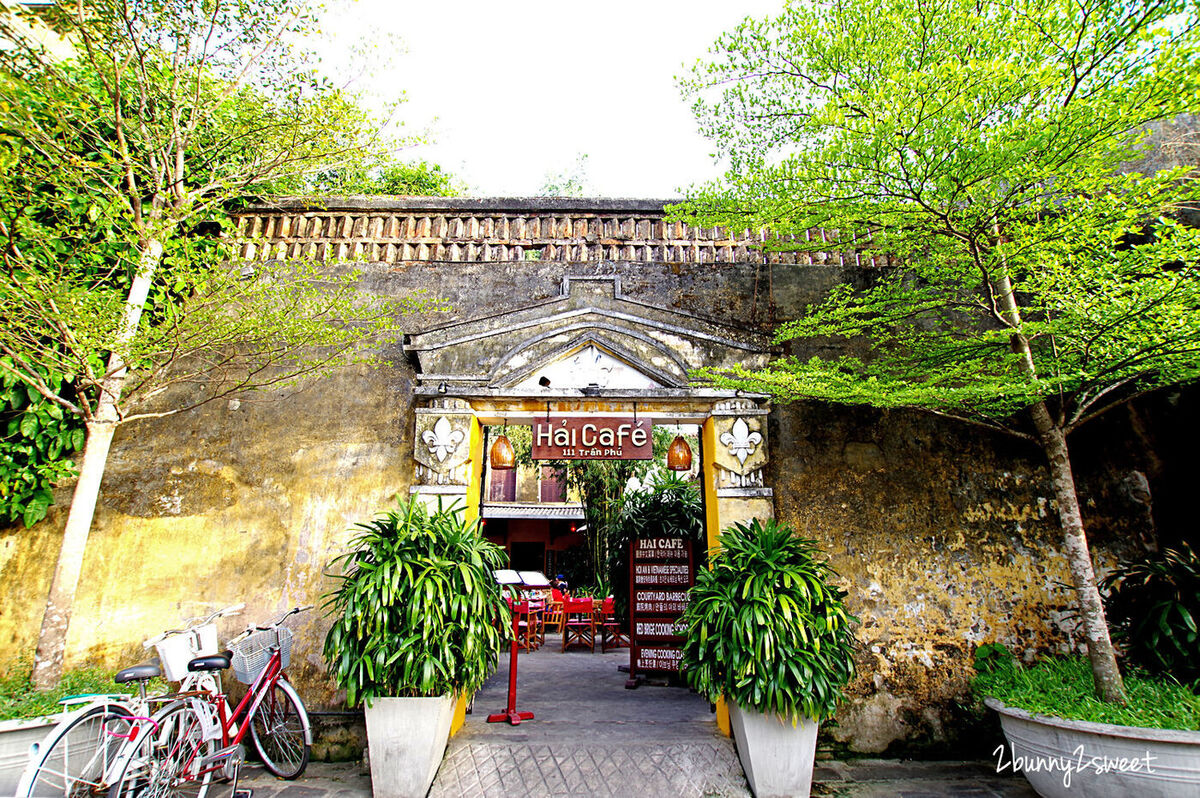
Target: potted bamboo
x=767, y=631
x=417, y=621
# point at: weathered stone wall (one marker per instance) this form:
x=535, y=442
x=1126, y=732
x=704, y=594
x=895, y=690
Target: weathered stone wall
x=945, y=536
x=237, y=501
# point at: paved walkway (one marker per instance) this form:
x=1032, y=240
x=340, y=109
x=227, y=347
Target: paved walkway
x=592, y=737
x=589, y=736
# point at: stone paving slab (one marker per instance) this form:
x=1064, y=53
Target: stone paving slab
x=888, y=778
x=683, y=769
x=320, y=780
x=851, y=779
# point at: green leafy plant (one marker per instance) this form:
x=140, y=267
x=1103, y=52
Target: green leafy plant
x=417, y=611
x=1028, y=272
x=1154, y=607
x=766, y=629
x=18, y=699
x=35, y=440
x=1062, y=687
x=668, y=505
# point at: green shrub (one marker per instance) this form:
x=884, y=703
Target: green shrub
x=417, y=611
x=766, y=629
x=1063, y=687
x=669, y=506
x=18, y=699
x=1153, y=606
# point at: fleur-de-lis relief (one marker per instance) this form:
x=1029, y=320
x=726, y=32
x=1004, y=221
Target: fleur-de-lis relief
x=442, y=440
x=741, y=441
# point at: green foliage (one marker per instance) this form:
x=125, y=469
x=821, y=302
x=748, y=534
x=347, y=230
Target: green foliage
x=667, y=505
x=974, y=150
x=96, y=162
x=416, y=611
x=1154, y=607
x=1062, y=687
x=766, y=628
x=18, y=699
x=37, y=439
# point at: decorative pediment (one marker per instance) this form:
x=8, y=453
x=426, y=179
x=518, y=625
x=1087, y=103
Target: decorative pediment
x=589, y=335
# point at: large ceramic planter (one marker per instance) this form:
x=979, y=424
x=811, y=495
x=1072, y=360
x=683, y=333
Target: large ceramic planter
x=15, y=738
x=776, y=756
x=407, y=738
x=1063, y=758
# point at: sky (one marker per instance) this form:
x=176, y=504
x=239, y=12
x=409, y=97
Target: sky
x=514, y=92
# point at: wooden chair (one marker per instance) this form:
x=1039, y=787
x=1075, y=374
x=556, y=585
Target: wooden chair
x=579, y=623
x=537, y=620
x=552, y=618
x=528, y=624
x=610, y=627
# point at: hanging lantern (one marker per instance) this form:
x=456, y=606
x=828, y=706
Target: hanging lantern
x=679, y=455
x=502, y=456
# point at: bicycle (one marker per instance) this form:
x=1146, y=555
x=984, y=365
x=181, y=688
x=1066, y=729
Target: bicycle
x=77, y=756
x=177, y=753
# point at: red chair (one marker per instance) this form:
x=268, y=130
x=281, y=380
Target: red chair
x=611, y=627
x=579, y=623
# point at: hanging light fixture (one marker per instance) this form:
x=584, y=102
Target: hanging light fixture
x=502, y=457
x=679, y=455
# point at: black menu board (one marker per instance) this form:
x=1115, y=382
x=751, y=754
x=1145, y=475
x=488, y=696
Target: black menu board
x=660, y=572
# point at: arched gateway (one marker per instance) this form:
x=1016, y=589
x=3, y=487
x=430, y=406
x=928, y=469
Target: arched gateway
x=588, y=353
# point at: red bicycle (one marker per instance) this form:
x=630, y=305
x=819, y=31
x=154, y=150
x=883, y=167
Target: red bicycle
x=197, y=737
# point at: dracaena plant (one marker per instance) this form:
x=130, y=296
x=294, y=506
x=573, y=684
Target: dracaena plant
x=416, y=611
x=1154, y=606
x=766, y=628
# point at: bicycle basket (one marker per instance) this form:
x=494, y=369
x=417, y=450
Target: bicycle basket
x=251, y=655
x=176, y=651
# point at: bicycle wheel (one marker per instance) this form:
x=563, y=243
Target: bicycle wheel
x=76, y=756
x=166, y=759
x=280, y=731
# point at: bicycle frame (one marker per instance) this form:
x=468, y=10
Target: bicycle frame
x=239, y=719
x=257, y=691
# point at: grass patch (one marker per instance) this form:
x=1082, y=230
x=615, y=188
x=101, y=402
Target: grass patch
x=18, y=699
x=1062, y=687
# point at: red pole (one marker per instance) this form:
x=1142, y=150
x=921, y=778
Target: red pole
x=510, y=713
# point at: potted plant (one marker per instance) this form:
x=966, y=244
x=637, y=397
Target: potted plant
x=418, y=620
x=768, y=631
x=1065, y=741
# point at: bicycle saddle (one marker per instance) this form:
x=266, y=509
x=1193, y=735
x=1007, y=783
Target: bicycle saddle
x=139, y=672
x=213, y=662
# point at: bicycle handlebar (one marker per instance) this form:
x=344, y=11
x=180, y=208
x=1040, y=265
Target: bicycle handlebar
x=284, y=617
x=191, y=623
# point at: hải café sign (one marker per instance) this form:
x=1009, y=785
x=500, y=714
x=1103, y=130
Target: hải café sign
x=592, y=438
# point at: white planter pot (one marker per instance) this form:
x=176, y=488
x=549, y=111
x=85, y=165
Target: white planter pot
x=15, y=738
x=776, y=756
x=1063, y=758
x=407, y=738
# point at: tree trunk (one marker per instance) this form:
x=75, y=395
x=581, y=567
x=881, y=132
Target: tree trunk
x=1105, y=673
x=52, y=639
x=48, y=660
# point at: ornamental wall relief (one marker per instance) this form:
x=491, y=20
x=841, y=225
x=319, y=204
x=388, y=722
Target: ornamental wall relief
x=442, y=443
